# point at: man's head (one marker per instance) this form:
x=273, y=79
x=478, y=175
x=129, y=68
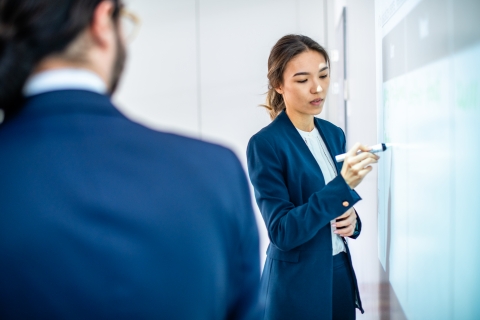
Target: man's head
x=38, y=35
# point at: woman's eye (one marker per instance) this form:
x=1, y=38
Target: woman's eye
x=302, y=81
x=324, y=76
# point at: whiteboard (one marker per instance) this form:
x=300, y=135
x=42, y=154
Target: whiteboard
x=428, y=64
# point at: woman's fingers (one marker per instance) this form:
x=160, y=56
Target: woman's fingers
x=345, y=232
x=364, y=148
x=353, y=151
x=356, y=166
x=363, y=163
x=345, y=222
x=362, y=156
x=353, y=162
x=346, y=219
x=365, y=171
x=356, y=147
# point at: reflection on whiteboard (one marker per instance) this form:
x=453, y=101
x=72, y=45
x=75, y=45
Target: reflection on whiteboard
x=430, y=111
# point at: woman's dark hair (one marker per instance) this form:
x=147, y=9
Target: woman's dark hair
x=30, y=30
x=282, y=52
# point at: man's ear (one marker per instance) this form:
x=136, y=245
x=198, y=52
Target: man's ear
x=102, y=24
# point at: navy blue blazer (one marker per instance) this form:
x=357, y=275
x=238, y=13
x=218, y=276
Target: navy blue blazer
x=102, y=218
x=297, y=208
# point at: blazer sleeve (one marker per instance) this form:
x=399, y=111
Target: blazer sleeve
x=290, y=226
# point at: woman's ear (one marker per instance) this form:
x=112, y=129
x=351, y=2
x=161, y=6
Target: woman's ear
x=279, y=90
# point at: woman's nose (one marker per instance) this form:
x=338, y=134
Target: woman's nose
x=317, y=88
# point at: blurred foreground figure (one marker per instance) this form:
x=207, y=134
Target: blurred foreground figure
x=102, y=217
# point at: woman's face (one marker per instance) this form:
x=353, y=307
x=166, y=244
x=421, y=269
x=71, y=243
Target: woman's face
x=305, y=84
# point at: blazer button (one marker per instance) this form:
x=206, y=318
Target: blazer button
x=345, y=203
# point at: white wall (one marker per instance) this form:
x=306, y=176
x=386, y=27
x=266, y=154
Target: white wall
x=362, y=118
x=361, y=127
x=199, y=67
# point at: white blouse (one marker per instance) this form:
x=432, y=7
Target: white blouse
x=320, y=152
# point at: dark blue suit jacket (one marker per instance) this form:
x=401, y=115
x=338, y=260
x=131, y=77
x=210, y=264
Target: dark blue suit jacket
x=104, y=218
x=297, y=208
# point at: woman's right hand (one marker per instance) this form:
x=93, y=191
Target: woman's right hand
x=357, y=166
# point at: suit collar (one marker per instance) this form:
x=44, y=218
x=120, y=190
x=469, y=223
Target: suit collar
x=328, y=143
x=291, y=131
x=68, y=101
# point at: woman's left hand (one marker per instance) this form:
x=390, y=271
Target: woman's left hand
x=346, y=223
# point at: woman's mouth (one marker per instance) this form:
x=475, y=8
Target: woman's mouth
x=316, y=102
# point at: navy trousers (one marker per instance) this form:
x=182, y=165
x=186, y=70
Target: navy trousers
x=343, y=291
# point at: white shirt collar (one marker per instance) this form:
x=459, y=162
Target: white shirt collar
x=312, y=134
x=64, y=79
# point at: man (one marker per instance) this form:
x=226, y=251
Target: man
x=102, y=217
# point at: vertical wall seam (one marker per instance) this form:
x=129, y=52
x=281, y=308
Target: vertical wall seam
x=199, y=69
x=325, y=23
x=405, y=59
x=326, y=45
x=451, y=97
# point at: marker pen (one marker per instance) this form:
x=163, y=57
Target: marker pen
x=374, y=149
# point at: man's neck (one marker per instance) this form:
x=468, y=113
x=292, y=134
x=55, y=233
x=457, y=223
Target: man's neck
x=64, y=79
x=53, y=63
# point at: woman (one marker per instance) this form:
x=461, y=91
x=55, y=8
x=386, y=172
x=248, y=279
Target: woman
x=305, y=197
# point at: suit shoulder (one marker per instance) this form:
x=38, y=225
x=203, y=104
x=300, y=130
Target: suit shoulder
x=263, y=138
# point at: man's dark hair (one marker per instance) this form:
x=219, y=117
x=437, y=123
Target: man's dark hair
x=30, y=30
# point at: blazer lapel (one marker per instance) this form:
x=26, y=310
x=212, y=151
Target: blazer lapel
x=328, y=143
x=298, y=142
